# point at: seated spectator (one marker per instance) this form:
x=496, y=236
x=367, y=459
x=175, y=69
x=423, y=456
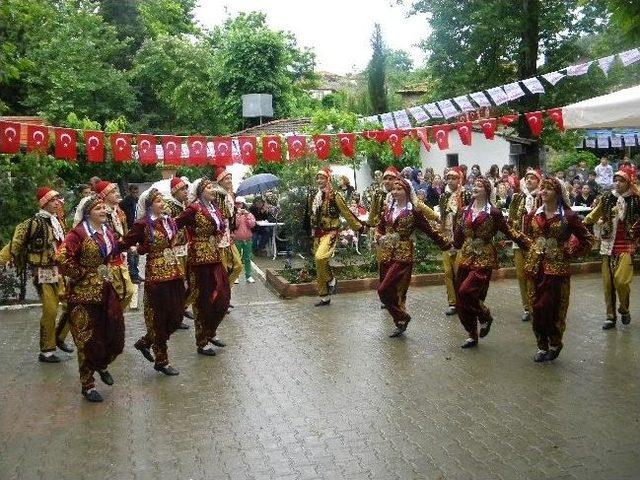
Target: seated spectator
x=434, y=191
x=595, y=188
x=503, y=195
x=575, y=192
x=346, y=188
x=604, y=174
x=261, y=212
x=356, y=205
x=585, y=198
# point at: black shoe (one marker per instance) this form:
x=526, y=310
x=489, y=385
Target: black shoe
x=451, y=310
x=625, y=318
x=609, y=324
x=145, y=352
x=92, y=395
x=485, y=328
x=64, y=347
x=526, y=316
x=552, y=354
x=231, y=306
x=398, y=332
x=540, y=356
x=106, y=377
x=218, y=343
x=183, y=326
x=166, y=369
x=322, y=303
x=49, y=358
x=189, y=314
x=469, y=343
x=208, y=353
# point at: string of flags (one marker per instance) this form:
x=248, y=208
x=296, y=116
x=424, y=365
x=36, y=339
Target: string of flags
x=198, y=150
x=605, y=139
x=454, y=107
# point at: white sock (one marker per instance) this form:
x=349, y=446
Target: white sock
x=207, y=348
x=541, y=351
x=324, y=299
x=47, y=354
x=332, y=282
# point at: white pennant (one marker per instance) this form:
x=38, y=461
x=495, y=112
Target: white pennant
x=605, y=63
x=419, y=114
x=513, y=91
x=370, y=119
x=629, y=139
x=387, y=121
x=616, y=141
x=533, y=85
x=433, y=110
x=603, y=142
x=481, y=99
x=464, y=103
x=630, y=56
x=553, y=77
x=402, y=119
x=448, y=109
x=590, y=143
x=577, y=70
x=498, y=95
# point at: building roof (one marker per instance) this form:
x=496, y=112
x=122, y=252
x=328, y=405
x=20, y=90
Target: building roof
x=281, y=126
x=417, y=89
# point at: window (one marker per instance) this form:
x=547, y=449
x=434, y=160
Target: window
x=452, y=160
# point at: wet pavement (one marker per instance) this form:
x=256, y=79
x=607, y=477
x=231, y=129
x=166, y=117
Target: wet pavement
x=302, y=392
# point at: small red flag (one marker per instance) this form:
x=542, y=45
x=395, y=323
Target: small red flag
x=322, y=146
x=271, y=148
x=347, y=144
x=172, y=147
x=9, y=137
x=534, y=119
x=147, y=149
x=423, y=135
x=465, y=131
x=121, y=147
x=395, y=141
x=441, y=135
x=222, y=152
x=377, y=135
x=555, y=114
x=197, y=150
x=248, y=150
x=37, y=138
x=94, y=145
x=297, y=146
x=488, y=127
x=507, y=120
x=65, y=143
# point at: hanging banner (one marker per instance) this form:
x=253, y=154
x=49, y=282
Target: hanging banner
x=121, y=147
x=534, y=119
x=347, y=144
x=513, y=91
x=577, y=70
x=488, y=127
x=553, y=77
x=605, y=63
x=197, y=145
x=464, y=103
x=433, y=110
x=448, y=109
x=94, y=146
x=616, y=141
x=498, y=96
x=629, y=57
x=147, y=151
x=402, y=119
x=387, y=121
x=10, y=137
x=172, y=149
x=590, y=143
x=629, y=139
x=441, y=136
x=371, y=119
x=419, y=114
x=395, y=141
x=533, y=85
x=602, y=142
x=322, y=146
x=297, y=146
x=222, y=151
x=247, y=147
x=555, y=114
x=66, y=142
x=37, y=138
x=465, y=131
x=423, y=135
x=481, y=99
x=271, y=148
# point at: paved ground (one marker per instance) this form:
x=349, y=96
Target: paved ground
x=323, y=393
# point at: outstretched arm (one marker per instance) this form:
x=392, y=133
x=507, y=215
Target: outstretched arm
x=353, y=221
x=423, y=225
x=511, y=233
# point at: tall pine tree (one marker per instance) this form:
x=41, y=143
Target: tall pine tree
x=376, y=73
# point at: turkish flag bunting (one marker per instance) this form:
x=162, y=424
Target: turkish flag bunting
x=347, y=144
x=488, y=126
x=271, y=148
x=555, y=114
x=37, y=138
x=322, y=145
x=197, y=150
x=147, y=149
x=65, y=143
x=248, y=151
x=222, y=153
x=465, y=131
x=172, y=147
x=94, y=145
x=423, y=134
x=9, y=137
x=534, y=119
x=395, y=141
x=297, y=146
x=441, y=136
x=377, y=135
x=121, y=147
x=507, y=120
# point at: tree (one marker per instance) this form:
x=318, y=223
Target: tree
x=376, y=73
x=167, y=17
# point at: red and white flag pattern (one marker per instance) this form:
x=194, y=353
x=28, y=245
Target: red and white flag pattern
x=121, y=147
x=94, y=146
x=37, y=138
x=9, y=137
x=65, y=143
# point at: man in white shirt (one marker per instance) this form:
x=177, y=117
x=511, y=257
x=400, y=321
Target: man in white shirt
x=604, y=174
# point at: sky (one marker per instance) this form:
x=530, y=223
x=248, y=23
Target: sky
x=339, y=31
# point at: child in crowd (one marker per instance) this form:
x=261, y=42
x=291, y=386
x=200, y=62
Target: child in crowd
x=242, y=236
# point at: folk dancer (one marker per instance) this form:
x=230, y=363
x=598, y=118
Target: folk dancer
x=175, y=205
x=95, y=309
x=208, y=281
x=522, y=204
x=451, y=204
x=326, y=207
x=556, y=234
x=615, y=216
x=34, y=244
x=117, y=222
x=155, y=234
x=395, y=246
x=226, y=202
x=474, y=237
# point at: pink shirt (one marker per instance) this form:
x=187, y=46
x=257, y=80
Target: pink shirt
x=244, y=223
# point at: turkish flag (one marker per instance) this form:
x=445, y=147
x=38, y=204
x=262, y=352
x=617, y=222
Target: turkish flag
x=377, y=135
x=248, y=149
x=488, y=126
x=94, y=145
x=37, y=138
x=65, y=143
x=147, y=149
x=121, y=147
x=507, y=120
x=347, y=144
x=423, y=134
x=222, y=153
x=395, y=140
x=271, y=148
x=9, y=137
x=322, y=144
x=441, y=135
x=465, y=131
x=534, y=119
x=555, y=114
x=297, y=146
x=172, y=147
x=197, y=150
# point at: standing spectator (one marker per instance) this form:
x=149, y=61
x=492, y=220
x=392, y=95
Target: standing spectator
x=494, y=174
x=346, y=187
x=585, y=198
x=407, y=174
x=434, y=191
x=356, y=205
x=604, y=174
x=260, y=211
x=371, y=190
x=582, y=172
x=242, y=235
x=560, y=175
x=83, y=190
x=128, y=205
x=593, y=185
x=503, y=195
x=475, y=172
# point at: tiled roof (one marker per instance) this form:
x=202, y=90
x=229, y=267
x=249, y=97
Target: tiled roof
x=281, y=126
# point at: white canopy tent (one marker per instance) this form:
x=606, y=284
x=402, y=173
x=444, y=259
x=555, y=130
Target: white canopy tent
x=617, y=109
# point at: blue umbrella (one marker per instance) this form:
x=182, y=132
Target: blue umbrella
x=257, y=184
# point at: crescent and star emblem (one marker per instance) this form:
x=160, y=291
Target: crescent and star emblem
x=145, y=145
x=90, y=140
x=124, y=143
x=11, y=137
x=38, y=136
x=65, y=142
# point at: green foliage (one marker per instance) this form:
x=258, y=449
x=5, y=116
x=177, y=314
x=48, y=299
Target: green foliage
x=167, y=17
x=9, y=285
x=376, y=73
x=565, y=160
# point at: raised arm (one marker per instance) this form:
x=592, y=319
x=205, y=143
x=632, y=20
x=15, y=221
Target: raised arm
x=186, y=218
x=511, y=233
x=353, y=221
x=427, y=211
x=134, y=237
x=594, y=215
x=422, y=223
x=16, y=248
